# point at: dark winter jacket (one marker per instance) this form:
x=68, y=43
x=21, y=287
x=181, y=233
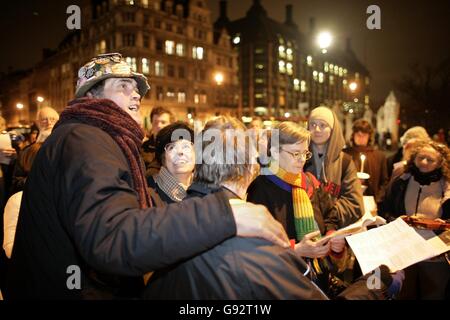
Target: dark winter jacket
x=375, y=165
x=80, y=212
x=238, y=268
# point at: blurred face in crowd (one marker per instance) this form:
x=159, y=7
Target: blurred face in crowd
x=179, y=157
x=361, y=138
x=159, y=122
x=292, y=157
x=427, y=159
x=47, y=119
x=320, y=131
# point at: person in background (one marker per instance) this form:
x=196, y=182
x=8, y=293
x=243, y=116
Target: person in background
x=423, y=190
x=332, y=167
x=375, y=160
x=399, y=159
x=177, y=157
x=159, y=117
x=46, y=119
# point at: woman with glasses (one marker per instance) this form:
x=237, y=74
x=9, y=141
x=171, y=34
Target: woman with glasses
x=295, y=198
x=423, y=190
x=175, y=152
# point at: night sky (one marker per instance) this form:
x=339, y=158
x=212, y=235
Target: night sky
x=411, y=31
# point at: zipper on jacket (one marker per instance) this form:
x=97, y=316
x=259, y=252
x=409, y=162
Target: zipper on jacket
x=418, y=198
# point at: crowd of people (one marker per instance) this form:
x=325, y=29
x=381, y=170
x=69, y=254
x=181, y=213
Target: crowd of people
x=142, y=218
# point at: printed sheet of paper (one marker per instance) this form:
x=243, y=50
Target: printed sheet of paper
x=396, y=245
x=5, y=143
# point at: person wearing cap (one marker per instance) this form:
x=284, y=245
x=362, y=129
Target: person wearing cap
x=87, y=228
x=375, y=161
x=332, y=167
x=174, y=149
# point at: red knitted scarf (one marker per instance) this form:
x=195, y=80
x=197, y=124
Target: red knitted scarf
x=108, y=116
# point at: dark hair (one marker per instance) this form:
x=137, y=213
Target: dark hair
x=170, y=134
x=442, y=149
x=97, y=89
x=364, y=126
x=159, y=111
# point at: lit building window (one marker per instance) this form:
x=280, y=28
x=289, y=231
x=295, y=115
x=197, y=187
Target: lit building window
x=170, y=47
x=159, y=68
x=259, y=66
x=325, y=67
x=331, y=80
x=203, y=98
x=331, y=67
x=145, y=66
x=367, y=81
x=196, y=98
x=181, y=97
x=170, y=93
x=289, y=69
x=144, y=3
x=336, y=70
x=237, y=39
x=309, y=60
x=320, y=77
x=281, y=66
x=132, y=63
x=259, y=80
x=344, y=82
x=180, y=49
x=366, y=99
x=281, y=52
x=345, y=71
x=356, y=75
x=315, y=74
x=303, y=86
x=296, y=84
x=259, y=51
x=197, y=53
x=341, y=72
x=130, y=2
x=289, y=55
x=259, y=96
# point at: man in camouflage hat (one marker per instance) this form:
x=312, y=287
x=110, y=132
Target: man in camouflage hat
x=87, y=227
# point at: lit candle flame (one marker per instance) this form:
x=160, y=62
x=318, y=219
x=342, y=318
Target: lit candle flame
x=363, y=157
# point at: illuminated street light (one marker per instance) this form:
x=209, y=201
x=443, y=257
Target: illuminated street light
x=287, y=114
x=19, y=106
x=40, y=99
x=218, y=77
x=324, y=40
x=353, y=86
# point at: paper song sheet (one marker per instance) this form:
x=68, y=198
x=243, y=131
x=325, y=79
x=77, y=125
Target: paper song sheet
x=396, y=245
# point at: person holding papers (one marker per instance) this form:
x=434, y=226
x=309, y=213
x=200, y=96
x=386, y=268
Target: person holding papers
x=423, y=190
x=297, y=200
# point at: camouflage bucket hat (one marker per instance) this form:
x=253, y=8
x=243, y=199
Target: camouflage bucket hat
x=104, y=66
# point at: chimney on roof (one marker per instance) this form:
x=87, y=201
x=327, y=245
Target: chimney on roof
x=223, y=9
x=289, y=14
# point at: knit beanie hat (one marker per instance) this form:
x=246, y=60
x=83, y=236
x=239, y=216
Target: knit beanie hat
x=171, y=133
x=324, y=114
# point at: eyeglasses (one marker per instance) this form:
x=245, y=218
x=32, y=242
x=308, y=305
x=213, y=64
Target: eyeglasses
x=185, y=146
x=306, y=155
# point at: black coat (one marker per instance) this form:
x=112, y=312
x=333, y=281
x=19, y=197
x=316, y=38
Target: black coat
x=79, y=209
x=238, y=268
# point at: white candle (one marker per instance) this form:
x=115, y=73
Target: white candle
x=363, y=157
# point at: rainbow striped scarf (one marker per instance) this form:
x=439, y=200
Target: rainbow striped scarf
x=303, y=211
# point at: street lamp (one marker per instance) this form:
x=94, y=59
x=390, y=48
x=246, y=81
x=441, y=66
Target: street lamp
x=353, y=86
x=40, y=99
x=19, y=106
x=324, y=40
x=218, y=77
